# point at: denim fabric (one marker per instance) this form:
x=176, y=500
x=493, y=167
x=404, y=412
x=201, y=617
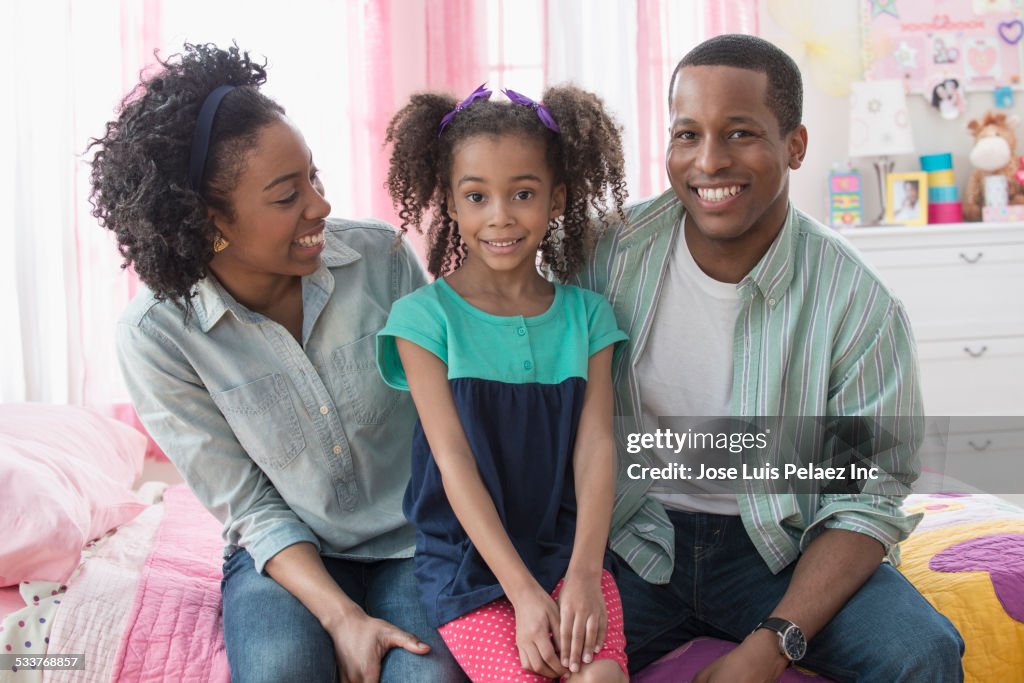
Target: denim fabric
x=721, y=587
x=271, y=637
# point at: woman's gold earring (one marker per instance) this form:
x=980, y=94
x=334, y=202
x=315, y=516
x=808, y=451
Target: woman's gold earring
x=220, y=244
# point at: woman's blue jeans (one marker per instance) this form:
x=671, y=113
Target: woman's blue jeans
x=722, y=588
x=271, y=636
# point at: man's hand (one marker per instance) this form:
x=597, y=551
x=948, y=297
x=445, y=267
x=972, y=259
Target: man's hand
x=756, y=660
x=360, y=643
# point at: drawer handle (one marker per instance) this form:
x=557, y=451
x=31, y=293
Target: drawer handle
x=975, y=354
x=988, y=442
x=968, y=259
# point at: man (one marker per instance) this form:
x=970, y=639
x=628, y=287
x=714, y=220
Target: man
x=737, y=304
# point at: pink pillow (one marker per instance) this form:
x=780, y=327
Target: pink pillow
x=65, y=478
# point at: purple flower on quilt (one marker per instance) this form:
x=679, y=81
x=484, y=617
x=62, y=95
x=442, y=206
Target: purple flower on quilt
x=1001, y=555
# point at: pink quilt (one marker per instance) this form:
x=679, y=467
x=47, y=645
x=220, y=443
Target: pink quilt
x=174, y=631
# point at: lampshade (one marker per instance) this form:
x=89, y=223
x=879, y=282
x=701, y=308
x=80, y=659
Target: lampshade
x=879, y=123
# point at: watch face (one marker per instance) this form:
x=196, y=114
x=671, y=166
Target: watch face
x=794, y=643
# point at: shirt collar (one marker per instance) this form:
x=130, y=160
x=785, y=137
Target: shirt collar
x=661, y=213
x=212, y=301
x=774, y=272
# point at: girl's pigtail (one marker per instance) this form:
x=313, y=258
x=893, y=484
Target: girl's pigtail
x=414, y=172
x=592, y=169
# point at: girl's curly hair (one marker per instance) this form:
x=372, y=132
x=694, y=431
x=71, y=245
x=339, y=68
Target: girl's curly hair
x=140, y=170
x=586, y=156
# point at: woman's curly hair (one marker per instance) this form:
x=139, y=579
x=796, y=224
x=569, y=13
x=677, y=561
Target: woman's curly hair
x=586, y=156
x=140, y=170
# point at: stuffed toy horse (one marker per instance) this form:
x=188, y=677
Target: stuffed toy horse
x=993, y=154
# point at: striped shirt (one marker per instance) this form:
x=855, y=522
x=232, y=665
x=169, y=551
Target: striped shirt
x=818, y=334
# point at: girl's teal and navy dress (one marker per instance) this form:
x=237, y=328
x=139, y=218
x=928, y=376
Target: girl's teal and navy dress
x=518, y=386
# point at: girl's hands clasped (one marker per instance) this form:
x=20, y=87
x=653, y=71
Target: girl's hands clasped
x=537, y=618
x=583, y=620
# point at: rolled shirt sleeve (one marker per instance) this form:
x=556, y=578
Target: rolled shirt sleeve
x=883, y=386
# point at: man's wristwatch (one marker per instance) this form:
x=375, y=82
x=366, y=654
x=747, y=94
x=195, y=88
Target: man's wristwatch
x=792, y=643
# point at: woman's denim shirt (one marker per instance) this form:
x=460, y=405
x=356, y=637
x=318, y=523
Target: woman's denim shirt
x=285, y=443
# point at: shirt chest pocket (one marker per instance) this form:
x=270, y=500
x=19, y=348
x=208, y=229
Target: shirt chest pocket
x=368, y=400
x=262, y=416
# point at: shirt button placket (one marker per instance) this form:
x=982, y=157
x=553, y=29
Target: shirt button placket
x=524, y=345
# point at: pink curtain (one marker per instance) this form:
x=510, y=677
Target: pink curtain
x=730, y=16
x=651, y=86
x=434, y=45
x=655, y=63
x=140, y=36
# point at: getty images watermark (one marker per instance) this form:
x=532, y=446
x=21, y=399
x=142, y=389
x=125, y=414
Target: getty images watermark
x=705, y=443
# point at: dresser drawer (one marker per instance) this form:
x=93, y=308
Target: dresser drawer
x=952, y=293
x=985, y=459
x=973, y=376
x=945, y=255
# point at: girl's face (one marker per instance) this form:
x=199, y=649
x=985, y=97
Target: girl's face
x=503, y=196
x=279, y=209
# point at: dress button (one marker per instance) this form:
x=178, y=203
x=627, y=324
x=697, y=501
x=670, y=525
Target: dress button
x=337, y=450
x=521, y=331
x=324, y=410
x=527, y=365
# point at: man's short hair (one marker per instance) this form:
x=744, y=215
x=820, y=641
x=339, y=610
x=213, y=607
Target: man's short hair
x=785, y=95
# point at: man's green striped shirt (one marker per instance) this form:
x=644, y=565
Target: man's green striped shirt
x=818, y=334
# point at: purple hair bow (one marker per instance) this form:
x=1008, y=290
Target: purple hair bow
x=542, y=112
x=481, y=93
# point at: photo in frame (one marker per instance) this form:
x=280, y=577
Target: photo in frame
x=906, y=198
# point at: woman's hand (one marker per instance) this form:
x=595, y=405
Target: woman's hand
x=362, y=641
x=583, y=619
x=536, y=621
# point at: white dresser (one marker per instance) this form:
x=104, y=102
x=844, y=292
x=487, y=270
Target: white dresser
x=963, y=286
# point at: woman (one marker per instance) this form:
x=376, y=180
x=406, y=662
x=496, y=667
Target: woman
x=250, y=360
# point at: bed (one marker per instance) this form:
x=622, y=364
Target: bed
x=142, y=600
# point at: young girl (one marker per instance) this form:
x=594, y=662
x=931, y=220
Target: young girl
x=513, y=457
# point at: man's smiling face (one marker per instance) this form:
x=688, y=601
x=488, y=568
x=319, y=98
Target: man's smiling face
x=727, y=159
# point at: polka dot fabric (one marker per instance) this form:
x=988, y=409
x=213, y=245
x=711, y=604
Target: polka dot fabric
x=27, y=631
x=483, y=641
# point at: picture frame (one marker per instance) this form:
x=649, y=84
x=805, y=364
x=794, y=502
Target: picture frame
x=902, y=207
x=845, y=199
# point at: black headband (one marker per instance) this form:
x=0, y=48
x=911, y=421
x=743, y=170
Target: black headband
x=201, y=136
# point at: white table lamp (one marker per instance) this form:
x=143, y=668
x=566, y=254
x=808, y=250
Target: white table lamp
x=880, y=127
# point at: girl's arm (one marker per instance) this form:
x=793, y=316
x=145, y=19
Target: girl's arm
x=536, y=612
x=583, y=614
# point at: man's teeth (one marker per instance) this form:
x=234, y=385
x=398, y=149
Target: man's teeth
x=508, y=243
x=311, y=240
x=717, y=194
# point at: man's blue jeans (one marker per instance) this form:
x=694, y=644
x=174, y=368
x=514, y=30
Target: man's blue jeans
x=271, y=636
x=722, y=588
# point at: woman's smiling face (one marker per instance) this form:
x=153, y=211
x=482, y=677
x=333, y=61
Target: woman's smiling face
x=277, y=226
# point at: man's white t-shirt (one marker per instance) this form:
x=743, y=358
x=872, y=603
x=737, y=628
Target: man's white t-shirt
x=685, y=371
